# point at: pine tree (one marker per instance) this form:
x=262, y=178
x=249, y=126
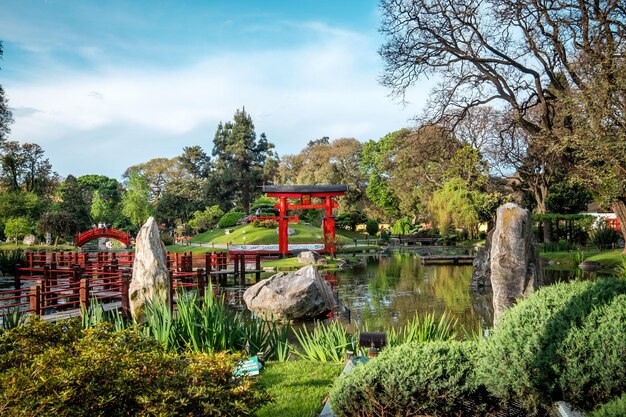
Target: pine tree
x=242, y=163
x=74, y=203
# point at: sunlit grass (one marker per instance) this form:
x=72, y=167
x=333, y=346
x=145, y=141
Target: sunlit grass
x=297, y=388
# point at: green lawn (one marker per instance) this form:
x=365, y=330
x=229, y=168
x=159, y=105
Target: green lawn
x=608, y=258
x=297, y=387
x=261, y=235
x=193, y=249
x=11, y=246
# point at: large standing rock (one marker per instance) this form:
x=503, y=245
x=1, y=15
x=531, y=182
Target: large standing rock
x=150, y=281
x=481, y=274
x=291, y=295
x=515, y=265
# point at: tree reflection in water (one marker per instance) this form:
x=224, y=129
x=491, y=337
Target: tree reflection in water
x=390, y=290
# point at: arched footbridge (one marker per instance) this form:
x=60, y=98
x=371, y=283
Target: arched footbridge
x=99, y=232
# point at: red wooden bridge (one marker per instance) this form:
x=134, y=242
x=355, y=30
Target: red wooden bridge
x=55, y=285
x=98, y=232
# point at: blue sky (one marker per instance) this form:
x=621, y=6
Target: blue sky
x=103, y=85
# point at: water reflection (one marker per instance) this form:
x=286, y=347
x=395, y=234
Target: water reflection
x=388, y=291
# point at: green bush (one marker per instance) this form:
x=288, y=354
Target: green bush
x=230, y=219
x=9, y=259
x=350, y=220
x=603, y=236
x=614, y=408
x=371, y=227
x=109, y=373
x=167, y=239
x=268, y=224
x=564, y=342
x=430, y=379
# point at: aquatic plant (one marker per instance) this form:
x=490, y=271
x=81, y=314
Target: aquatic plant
x=326, y=342
x=426, y=329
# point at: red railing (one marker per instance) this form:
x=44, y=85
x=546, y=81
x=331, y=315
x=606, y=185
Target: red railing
x=43, y=287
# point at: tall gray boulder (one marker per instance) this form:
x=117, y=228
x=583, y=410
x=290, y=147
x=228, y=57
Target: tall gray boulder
x=514, y=259
x=302, y=294
x=481, y=274
x=150, y=280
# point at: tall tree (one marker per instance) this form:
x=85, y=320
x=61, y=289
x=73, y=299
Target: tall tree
x=6, y=117
x=513, y=53
x=24, y=168
x=196, y=162
x=73, y=201
x=136, y=200
x=328, y=162
x=157, y=172
x=242, y=162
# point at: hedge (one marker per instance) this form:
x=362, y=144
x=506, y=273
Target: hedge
x=564, y=342
x=230, y=219
x=614, y=408
x=434, y=379
x=101, y=372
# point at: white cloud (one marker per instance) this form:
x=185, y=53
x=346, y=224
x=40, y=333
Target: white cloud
x=135, y=113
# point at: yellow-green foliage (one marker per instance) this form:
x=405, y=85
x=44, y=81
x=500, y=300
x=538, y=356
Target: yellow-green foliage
x=100, y=372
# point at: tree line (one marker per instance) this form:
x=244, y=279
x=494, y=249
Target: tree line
x=530, y=107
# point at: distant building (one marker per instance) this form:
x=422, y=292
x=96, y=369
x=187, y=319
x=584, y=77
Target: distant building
x=604, y=215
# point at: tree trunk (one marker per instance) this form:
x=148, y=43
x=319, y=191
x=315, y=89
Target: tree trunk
x=619, y=207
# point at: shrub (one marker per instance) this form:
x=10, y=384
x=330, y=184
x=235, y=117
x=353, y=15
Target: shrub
x=371, y=227
x=268, y=224
x=122, y=373
x=614, y=408
x=9, y=259
x=167, y=239
x=402, y=226
x=350, y=220
x=433, y=379
x=230, y=219
x=603, y=236
x=564, y=342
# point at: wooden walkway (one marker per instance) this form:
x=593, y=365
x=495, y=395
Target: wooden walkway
x=451, y=259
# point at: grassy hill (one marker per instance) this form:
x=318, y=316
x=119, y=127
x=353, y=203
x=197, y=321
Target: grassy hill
x=260, y=235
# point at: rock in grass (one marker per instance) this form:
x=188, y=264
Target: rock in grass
x=515, y=264
x=310, y=257
x=150, y=281
x=302, y=294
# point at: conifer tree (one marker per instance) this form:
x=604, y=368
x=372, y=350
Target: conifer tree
x=242, y=162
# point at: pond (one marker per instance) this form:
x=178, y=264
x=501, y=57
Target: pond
x=388, y=289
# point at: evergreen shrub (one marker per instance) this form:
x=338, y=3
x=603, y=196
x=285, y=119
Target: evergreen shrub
x=230, y=219
x=101, y=372
x=614, y=408
x=371, y=227
x=430, y=379
x=564, y=342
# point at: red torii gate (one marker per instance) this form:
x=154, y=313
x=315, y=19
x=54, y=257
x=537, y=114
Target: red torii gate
x=98, y=232
x=305, y=193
